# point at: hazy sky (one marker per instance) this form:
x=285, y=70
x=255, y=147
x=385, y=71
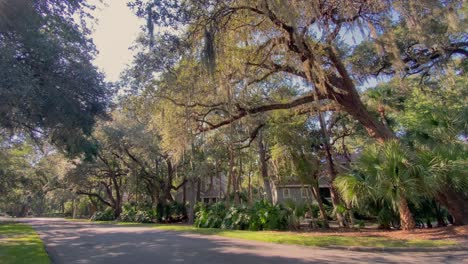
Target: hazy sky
x=116, y=30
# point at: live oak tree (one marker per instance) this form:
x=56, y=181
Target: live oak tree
x=247, y=43
x=48, y=85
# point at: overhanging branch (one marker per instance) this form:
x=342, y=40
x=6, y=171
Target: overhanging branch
x=242, y=112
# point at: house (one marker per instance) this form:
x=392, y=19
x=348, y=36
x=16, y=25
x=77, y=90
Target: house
x=297, y=192
x=302, y=193
x=211, y=190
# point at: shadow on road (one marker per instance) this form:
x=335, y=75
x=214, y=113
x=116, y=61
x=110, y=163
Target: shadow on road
x=71, y=242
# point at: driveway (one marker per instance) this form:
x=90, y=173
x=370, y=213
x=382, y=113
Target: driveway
x=73, y=242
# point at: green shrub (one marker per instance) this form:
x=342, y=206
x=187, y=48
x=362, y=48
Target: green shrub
x=132, y=214
x=261, y=216
x=107, y=215
x=266, y=216
x=210, y=217
x=143, y=217
x=128, y=213
x=236, y=218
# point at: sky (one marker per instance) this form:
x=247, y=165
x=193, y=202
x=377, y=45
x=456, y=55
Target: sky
x=115, y=31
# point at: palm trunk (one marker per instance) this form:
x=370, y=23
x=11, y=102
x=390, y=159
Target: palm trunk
x=407, y=220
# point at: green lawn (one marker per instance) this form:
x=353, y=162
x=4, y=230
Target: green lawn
x=308, y=240
x=298, y=238
x=19, y=244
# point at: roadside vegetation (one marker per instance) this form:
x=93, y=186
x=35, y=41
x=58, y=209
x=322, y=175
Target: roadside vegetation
x=317, y=239
x=20, y=244
x=361, y=106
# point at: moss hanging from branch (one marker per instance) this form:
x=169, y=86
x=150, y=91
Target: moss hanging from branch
x=209, y=50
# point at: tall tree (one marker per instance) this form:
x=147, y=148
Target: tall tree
x=48, y=85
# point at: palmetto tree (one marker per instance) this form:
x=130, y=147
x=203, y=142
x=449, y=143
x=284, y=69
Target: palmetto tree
x=387, y=172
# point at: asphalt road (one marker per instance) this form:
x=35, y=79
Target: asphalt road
x=73, y=242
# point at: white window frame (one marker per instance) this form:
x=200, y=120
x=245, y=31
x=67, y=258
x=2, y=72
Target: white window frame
x=286, y=193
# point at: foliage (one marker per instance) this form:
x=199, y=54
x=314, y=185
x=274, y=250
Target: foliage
x=106, y=215
x=237, y=218
x=212, y=216
x=143, y=217
x=386, y=173
x=49, y=87
x=218, y=76
x=261, y=216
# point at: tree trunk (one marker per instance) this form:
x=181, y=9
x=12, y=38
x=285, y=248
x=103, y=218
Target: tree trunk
x=220, y=180
x=264, y=168
x=94, y=206
x=250, y=188
x=350, y=100
x=118, y=198
x=407, y=220
x=229, y=183
x=323, y=213
x=184, y=194
x=198, y=197
x=168, y=186
x=192, y=201
x=326, y=142
x=337, y=203
x=456, y=204
x=74, y=209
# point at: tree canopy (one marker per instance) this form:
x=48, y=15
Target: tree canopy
x=48, y=85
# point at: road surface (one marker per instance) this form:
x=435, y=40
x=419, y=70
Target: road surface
x=74, y=242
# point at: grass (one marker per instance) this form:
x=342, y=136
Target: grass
x=302, y=239
x=20, y=244
x=310, y=240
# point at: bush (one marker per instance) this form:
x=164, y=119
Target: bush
x=131, y=214
x=128, y=213
x=261, y=216
x=143, y=217
x=107, y=215
x=266, y=216
x=210, y=217
x=237, y=218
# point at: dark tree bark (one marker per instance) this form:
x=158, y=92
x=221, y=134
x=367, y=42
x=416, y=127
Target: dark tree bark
x=456, y=204
x=192, y=201
x=264, y=167
x=323, y=213
x=168, y=185
x=198, y=198
x=326, y=142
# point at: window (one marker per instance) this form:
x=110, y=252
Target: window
x=286, y=193
x=304, y=193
